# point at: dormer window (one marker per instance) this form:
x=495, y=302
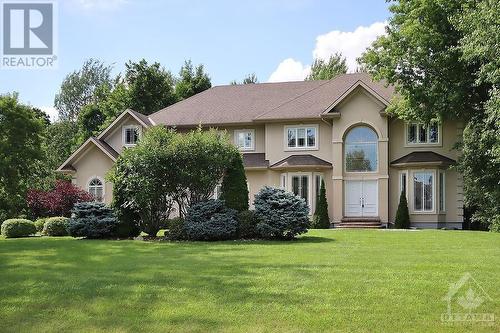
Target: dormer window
x=131, y=135
x=420, y=134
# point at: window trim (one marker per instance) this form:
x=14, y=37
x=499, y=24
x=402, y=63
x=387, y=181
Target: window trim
x=420, y=144
x=124, y=134
x=442, y=191
x=305, y=126
x=423, y=212
x=248, y=130
x=103, y=187
x=344, y=144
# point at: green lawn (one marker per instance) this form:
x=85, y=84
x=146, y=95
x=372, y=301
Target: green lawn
x=357, y=281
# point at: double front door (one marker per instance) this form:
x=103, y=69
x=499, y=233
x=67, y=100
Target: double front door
x=361, y=198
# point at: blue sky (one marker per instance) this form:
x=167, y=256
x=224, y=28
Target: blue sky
x=276, y=39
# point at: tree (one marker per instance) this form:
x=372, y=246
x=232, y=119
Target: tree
x=89, y=122
x=20, y=148
x=79, y=87
x=327, y=70
x=443, y=58
x=150, y=86
x=321, y=220
x=402, y=215
x=192, y=81
x=249, y=79
x=234, y=185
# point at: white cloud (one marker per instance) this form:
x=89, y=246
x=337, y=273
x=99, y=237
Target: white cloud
x=290, y=70
x=350, y=43
x=51, y=111
x=99, y=4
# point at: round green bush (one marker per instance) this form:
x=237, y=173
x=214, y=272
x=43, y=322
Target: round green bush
x=247, y=224
x=92, y=220
x=56, y=226
x=39, y=224
x=210, y=221
x=176, y=229
x=15, y=228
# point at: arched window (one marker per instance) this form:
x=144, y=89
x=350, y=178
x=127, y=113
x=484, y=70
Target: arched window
x=96, y=188
x=361, y=150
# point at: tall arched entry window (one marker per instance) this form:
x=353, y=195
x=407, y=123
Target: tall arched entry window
x=96, y=189
x=360, y=150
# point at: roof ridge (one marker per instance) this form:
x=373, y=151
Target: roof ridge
x=267, y=83
x=293, y=99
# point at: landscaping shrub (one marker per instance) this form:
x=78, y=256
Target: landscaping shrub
x=402, y=215
x=321, y=220
x=57, y=202
x=281, y=214
x=56, y=226
x=128, y=218
x=211, y=220
x=39, y=224
x=176, y=229
x=234, y=185
x=15, y=228
x=495, y=224
x=247, y=224
x=92, y=220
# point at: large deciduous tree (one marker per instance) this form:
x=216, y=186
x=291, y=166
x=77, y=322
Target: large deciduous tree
x=192, y=80
x=443, y=58
x=78, y=88
x=327, y=70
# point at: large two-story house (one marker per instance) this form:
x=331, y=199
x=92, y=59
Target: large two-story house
x=295, y=134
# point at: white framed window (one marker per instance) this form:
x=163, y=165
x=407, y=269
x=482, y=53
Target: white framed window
x=403, y=183
x=423, y=191
x=245, y=139
x=300, y=184
x=301, y=137
x=420, y=134
x=361, y=150
x=131, y=135
x=283, y=181
x=217, y=191
x=442, y=189
x=95, y=187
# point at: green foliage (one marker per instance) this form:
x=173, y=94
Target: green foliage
x=281, y=214
x=234, y=185
x=402, y=215
x=56, y=226
x=249, y=79
x=92, y=220
x=150, y=86
x=321, y=220
x=15, y=228
x=129, y=219
x=176, y=229
x=39, y=223
x=192, y=81
x=247, y=224
x=79, y=88
x=89, y=121
x=211, y=220
x=20, y=150
x=327, y=70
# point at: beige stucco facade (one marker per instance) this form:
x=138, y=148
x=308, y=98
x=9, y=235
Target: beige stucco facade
x=358, y=108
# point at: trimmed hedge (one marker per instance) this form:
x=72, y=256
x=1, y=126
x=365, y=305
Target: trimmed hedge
x=176, y=229
x=39, y=224
x=247, y=224
x=211, y=220
x=15, y=228
x=56, y=226
x=92, y=220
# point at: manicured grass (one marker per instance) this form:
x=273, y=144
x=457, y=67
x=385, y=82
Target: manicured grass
x=345, y=281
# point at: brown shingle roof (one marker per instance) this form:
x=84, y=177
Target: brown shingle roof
x=420, y=157
x=301, y=161
x=255, y=160
x=246, y=103
x=106, y=147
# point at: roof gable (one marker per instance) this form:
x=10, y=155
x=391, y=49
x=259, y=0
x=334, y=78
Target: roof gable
x=141, y=119
x=83, y=149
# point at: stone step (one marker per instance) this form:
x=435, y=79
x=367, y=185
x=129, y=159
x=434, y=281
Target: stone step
x=357, y=226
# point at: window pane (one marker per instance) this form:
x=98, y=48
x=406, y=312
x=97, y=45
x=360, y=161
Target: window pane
x=412, y=133
x=428, y=192
x=361, y=157
x=301, y=137
x=241, y=140
x=433, y=133
x=441, y=191
x=305, y=188
x=311, y=137
x=422, y=134
x=248, y=140
x=361, y=134
x=403, y=184
x=318, y=185
x=292, y=137
x=296, y=185
x=417, y=192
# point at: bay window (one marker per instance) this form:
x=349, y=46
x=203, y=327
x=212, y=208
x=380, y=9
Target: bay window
x=423, y=191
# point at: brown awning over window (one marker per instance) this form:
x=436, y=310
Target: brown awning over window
x=422, y=158
x=296, y=161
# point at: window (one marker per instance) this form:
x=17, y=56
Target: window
x=131, y=135
x=283, y=181
x=403, y=176
x=96, y=189
x=441, y=191
x=361, y=150
x=318, y=178
x=217, y=191
x=423, y=187
x=244, y=139
x=422, y=134
x=301, y=137
x=300, y=187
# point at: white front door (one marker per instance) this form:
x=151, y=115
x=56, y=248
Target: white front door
x=361, y=198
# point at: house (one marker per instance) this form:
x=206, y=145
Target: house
x=294, y=134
